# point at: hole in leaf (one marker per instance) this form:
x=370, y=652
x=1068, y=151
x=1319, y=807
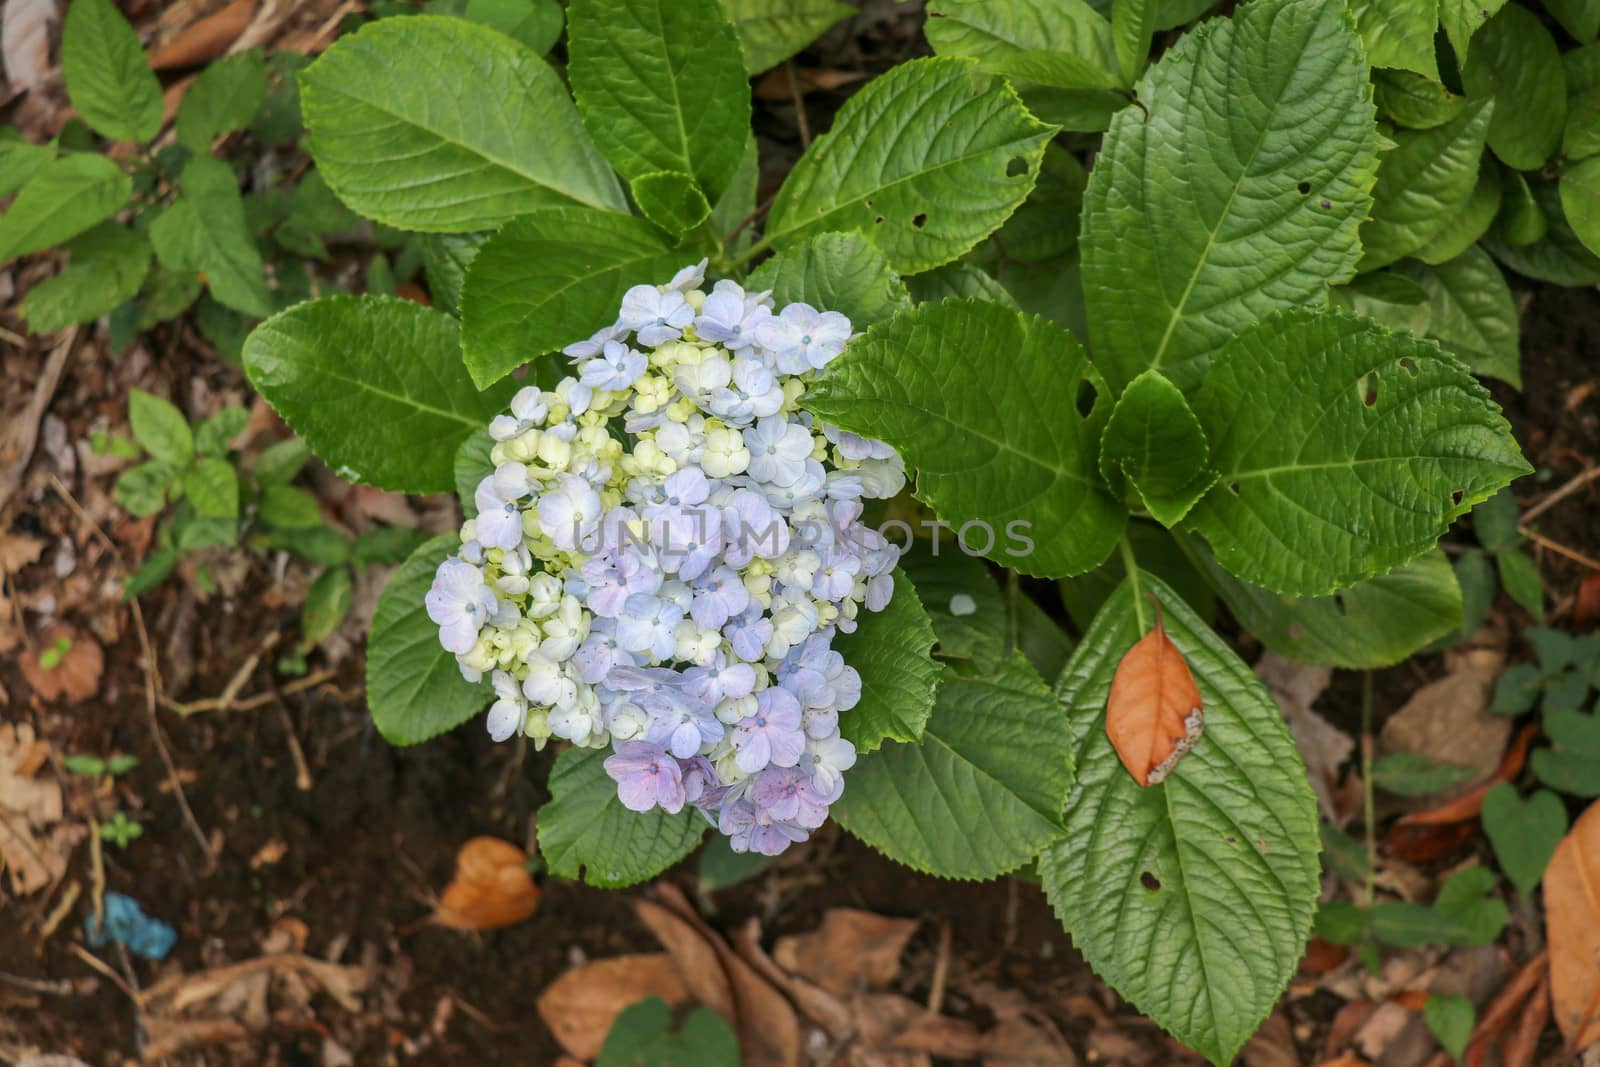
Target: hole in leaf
x=1326, y=205
x=878, y=219
x=1233, y=487
x=1455, y=497
x=867, y=202
x=1368, y=387
x=1017, y=167
x=1149, y=881
x=1342, y=607
x=1232, y=840
x=1304, y=187
x=1087, y=394
x=1409, y=365
x=921, y=220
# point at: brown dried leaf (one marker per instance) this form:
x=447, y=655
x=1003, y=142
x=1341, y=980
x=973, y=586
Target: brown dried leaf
x=492, y=887
x=850, y=951
x=1325, y=747
x=1572, y=928
x=580, y=1006
x=25, y=42
x=75, y=675
x=17, y=551
x=29, y=807
x=1153, y=715
x=1448, y=720
x=696, y=958
x=777, y=84
x=206, y=39
x=1586, y=607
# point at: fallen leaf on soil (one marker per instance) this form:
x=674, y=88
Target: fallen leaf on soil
x=815, y=1003
x=1469, y=804
x=65, y=664
x=25, y=41
x=1497, y=1015
x=17, y=551
x=850, y=951
x=695, y=957
x=206, y=39
x=1272, y=1045
x=1586, y=608
x=1153, y=715
x=34, y=848
x=1324, y=746
x=1426, y=842
x=492, y=887
x=580, y=1006
x=778, y=85
x=1448, y=720
x=1572, y=928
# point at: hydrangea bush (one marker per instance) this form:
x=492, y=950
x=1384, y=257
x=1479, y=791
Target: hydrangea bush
x=1132, y=380
x=664, y=552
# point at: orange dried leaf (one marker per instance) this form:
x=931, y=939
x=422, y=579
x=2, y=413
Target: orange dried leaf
x=1572, y=930
x=205, y=39
x=1153, y=715
x=492, y=887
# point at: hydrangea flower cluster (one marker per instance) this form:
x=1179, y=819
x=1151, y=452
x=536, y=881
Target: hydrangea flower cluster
x=663, y=555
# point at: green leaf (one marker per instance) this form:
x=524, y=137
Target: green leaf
x=926, y=160
x=446, y=258
x=414, y=687
x=771, y=31
x=1581, y=18
x=1064, y=39
x=678, y=101
x=1414, y=101
x=841, y=272
x=1372, y=624
x=1386, y=298
x=1156, y=551
x=721, y=867
x=142, y=490
x=1463, y=228
x=1425, y=180
x=1515, y=60
x=1573, y=765
x=1045, y=227
x=1399, y=33
x=108, y=79
x=386, y=544
x=671, y=200
x=642, y=1036
x=473, y=463
x=889, y=649
x=399, y=131
x=225, y=97
x=1559, y=257
x=1451, y=1019
x=981, y=793
x=1473, y=313
x=1520, y=577
x=1463, y=18
x=1154, y=440
x=1132, y=23
x=20, y=160
x=155, y=569
x=327, y=603
x=736, y=210
x=1581, y=137
x=1464, y=899
x=1192, y=898
x=109, y=263
x=160, y=428
x=551, y=278
x=1580, y=200
x=289, y=508
x=281, y=461
x=1411, y=774
x=958, y=281
x=1344, y=451
x=1524, y=833
x=212, y=488
x=205, y=230
x=535, y=23
x=584, y=831
x=1524, y=221
x=375, y=386
x=63, y=199
x=992, y=407
x=1285, y=90
x=212, y=436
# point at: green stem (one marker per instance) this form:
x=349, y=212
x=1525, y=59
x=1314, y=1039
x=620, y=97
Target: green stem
x=1012, y=630
x=1132, y=567
x=1370, y=891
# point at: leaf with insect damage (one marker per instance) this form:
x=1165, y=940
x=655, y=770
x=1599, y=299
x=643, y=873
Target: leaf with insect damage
x=1154, y=714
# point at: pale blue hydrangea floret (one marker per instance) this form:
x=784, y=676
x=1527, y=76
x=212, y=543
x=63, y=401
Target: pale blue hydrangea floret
x=664, y=552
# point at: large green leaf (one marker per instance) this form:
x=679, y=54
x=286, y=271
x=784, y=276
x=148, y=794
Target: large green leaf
x=64, y=198
x=1463, y=18
x=1399, y=33
x=1375, y=623
x=551, y=278
x=771, y=31
x=1413, y=101
x=999, y=412
x=108, y=266
x=926, y=160
x=890, y=649
x=1473, y=313
x=1515, y=60
x=1237, y=188
x=400, y=129
x=1581, y=18
x=20, y=160
x=841, y=272
x=1464, y=227
x=584, y=831
x=375, y=386
x=1193, y=898
x=983, y=790
x=1580, y=200
x=414, y=687
x=1424, y=182
x=1558, y=257
x=1344, y=451
x=661, y=86
x=205, y=230
x=108, y=79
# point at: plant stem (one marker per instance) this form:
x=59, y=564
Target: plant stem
x=1366, y=788
x=1132, y=567
x=1012, y=630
